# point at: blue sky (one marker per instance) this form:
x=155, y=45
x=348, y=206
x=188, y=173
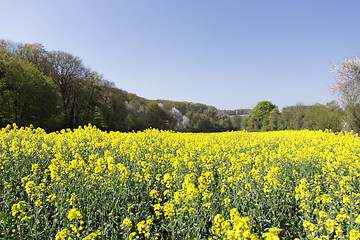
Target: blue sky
x=226, y=53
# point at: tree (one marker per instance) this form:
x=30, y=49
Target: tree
x=262, y=109
x=324, y=117
x=180, y=121
x=347, y=87
x=66, y=72
x=275, y=120
x=26, y=95
x=259, y=119
x=347, y=81
x=113, y=109
x=156, y=117
x=37, y=55
x=237, y=122
x=289, y=119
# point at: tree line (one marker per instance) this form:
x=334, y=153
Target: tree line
x=54, y=90
x=342, y=115
x=266, y=117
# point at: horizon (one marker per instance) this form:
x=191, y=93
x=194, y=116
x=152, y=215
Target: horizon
x=230, y=55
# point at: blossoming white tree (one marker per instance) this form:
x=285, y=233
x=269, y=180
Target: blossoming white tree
x=347, y=87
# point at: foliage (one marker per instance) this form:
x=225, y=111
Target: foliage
x=86, y=97
x=157, y=117
x=262, y=109
x=54, y=90
x=26, y=95
x=259, y=119
x=324, y=117
x=347, y=87
x=315, y=117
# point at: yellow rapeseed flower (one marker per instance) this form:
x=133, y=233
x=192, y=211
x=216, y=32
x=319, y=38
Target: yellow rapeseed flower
x=74, y=214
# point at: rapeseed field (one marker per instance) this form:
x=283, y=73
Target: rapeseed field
x=89, y=184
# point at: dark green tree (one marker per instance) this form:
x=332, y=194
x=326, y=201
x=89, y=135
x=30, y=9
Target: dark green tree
x=67, y=72
x=156, y=117
x=26, y=95
x=113, y=108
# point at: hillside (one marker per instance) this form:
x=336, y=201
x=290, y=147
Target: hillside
x=72, y=95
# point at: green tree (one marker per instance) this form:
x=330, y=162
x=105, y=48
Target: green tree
x=275, y=120
x=288, y=120
x=259, y=119
x=262, y=109
x=237, y=122
x=114, y=109
x=26, y=95
x=156, y=117
x=37, y=55
x=199, y=122
x=323, y=117
x=300, y=112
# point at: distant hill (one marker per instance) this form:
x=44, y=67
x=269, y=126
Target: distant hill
x=76, y=96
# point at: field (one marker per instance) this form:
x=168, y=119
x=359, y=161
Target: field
x=89, y=184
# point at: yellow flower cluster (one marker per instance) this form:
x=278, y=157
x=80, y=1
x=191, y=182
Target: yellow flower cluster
x=87, y=184
x=74, y=214
x=235, y=228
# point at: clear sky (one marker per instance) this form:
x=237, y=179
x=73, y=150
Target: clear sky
x=226, y=53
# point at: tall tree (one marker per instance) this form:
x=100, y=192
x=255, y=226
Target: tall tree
x=26, y=95
x=113, y=108
x=66, y=72
x=347, y=87
x=37, y=55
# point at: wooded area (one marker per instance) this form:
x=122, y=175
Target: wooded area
x=54, y=90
